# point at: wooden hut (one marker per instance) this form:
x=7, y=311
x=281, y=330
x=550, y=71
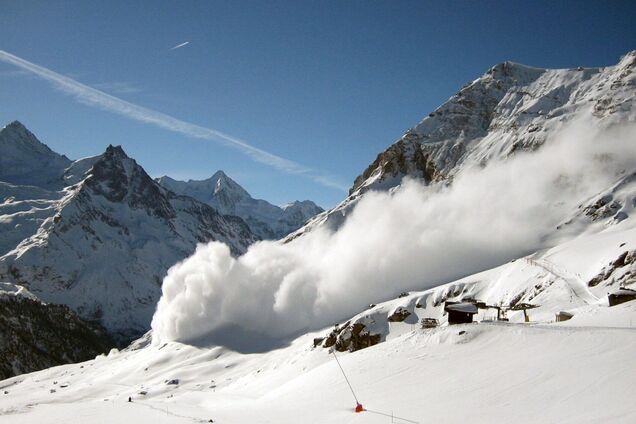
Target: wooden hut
x=460, y=313
x=622, y=295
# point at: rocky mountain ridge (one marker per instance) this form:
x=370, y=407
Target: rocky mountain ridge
x=511, y=108
x=102, y=243
x=228, y=197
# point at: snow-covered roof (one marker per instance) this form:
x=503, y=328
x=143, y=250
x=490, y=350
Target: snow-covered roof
x=624, y=292
x=463, y=307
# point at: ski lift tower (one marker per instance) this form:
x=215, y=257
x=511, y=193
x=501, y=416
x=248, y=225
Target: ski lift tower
x=524, y=307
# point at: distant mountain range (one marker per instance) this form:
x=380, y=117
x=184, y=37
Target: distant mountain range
x=265, y=220
x=98, y=234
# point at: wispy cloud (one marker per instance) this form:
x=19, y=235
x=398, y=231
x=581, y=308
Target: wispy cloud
x=14, y=73
x=178, y=46
x=122, y=87
x=96, y=98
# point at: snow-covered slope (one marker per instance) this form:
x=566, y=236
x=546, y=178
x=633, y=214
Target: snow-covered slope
x=22, y=210
x=26, y=161
x=574, y=276
x=490, y=373
x=103, y=246
x=606, y=208
x=511, y=108
x=542, y=371
x=228, y=197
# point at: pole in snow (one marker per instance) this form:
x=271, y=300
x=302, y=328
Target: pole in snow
x=359, y=407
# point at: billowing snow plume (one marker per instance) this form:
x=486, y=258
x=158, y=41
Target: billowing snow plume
x=413, y=238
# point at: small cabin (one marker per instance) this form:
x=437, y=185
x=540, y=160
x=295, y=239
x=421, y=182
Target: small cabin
x=622, y=295
x=460, y=313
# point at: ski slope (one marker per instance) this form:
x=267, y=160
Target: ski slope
x=490, y=373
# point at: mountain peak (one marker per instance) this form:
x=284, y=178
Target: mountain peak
x=120, y=179
x=301, y=203
x=223, y=183
x=115, y=151
x=16, y=132
x=15, y=125
x=219, y=174
x=299, y=212
x=25, y=160
x=218, y=185
x=512, y=70
x=229, y=198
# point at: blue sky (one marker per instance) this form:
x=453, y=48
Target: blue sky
x=326, y=85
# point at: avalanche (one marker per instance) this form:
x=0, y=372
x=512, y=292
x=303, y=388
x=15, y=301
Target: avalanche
x=413, y=237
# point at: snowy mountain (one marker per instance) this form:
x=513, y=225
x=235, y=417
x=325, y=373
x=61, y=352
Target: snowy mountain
x=26, y=161
x=102, y=244
x=32, y=181
x=510, y=109
x=228, y=197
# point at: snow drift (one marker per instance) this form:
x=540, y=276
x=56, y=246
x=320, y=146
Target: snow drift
x=413, y=237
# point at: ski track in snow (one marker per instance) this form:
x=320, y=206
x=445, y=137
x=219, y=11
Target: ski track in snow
x=578, y=287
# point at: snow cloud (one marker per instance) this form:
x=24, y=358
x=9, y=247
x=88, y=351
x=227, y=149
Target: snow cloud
x=413, y=238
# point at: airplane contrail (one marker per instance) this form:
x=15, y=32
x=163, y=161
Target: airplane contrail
x=96, y=98
x=180, y=45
